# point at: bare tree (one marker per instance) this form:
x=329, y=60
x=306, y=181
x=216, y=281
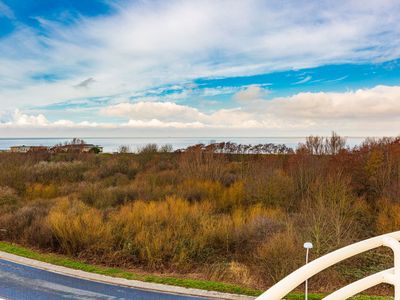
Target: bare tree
x=334, y=144
x=124, y=149
x=75, y=141
x=315, y=145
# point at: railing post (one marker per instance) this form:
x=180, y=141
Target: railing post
x=395, y=246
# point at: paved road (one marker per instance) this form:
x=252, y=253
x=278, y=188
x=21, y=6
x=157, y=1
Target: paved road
x=23, y=282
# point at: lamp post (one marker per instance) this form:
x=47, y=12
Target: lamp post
x=307, y=246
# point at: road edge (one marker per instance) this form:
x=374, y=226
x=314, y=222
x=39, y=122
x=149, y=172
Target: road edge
x=148, y=286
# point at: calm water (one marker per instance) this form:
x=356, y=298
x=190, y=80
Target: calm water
x=112, y=144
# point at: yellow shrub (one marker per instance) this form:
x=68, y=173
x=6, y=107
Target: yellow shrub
x=78, y=227
x=197, y=190
x=388, y=219
x=222, y=198
x=160, y=232
x=249, y=227
x=39, y=190
x=180, y=233
x=232, y=197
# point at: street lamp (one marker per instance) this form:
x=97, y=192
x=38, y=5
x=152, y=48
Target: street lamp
x=307, y=246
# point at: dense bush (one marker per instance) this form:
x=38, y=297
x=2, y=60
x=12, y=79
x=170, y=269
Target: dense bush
x=225, y=214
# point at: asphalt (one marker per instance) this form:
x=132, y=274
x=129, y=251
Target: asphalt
x=19, y=281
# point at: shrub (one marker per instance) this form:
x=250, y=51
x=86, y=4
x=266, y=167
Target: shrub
x=124, y=149
x=198, y=190
x=119, y=164
x=196, y=164
x=159, y=234
x=167, y=148
x=8, y=196
x=178, y=233
x=273, y=188
x=39, y=190
x=25, y=225
x=329, y=213
x=232, y=197
x=388, y=219
x=90, y=193
x=148, y=149
x=270, y=253
x=49, y=172
x=78, y=227
x=222, y=198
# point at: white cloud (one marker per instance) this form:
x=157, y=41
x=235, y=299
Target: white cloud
x=303, y=110
x=170, y=114
x=304, y=80
x=149, y=43
x=207, y=92
x=166, y=111
x=251, y=93
x=21, y=119
x=360, y=112
x=154, y=123
x=380, y=102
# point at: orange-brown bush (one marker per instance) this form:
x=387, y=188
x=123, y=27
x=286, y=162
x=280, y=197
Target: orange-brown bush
x=329, y=211
x=269, y=255
x=8, y=196
x=273, y=188
x=25, y=224
x=388, y=216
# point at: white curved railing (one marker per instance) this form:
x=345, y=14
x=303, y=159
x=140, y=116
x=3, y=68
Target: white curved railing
x=391, y=276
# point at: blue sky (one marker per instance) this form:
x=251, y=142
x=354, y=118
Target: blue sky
x=250, y=68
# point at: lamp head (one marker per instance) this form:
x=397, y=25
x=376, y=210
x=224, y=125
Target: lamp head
x=308, y=245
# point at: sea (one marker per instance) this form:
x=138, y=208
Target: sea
x=112, y=144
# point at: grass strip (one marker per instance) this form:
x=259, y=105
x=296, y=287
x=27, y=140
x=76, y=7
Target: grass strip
x=61, y=260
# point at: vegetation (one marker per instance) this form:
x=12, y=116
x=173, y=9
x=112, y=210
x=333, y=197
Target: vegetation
x=223, y=212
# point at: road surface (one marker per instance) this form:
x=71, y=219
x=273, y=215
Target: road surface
x=24, y=282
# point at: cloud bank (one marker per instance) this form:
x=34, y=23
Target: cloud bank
x=375, y=110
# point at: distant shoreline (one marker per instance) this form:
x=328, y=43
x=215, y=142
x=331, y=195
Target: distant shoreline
x=111, y=144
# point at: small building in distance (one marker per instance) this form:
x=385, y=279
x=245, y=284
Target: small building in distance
x=77, y=148
x=28, y=149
